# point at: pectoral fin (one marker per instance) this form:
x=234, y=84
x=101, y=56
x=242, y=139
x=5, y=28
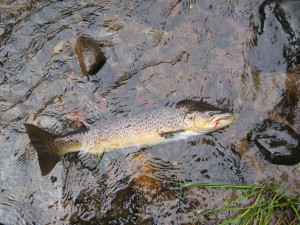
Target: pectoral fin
x=173, y=134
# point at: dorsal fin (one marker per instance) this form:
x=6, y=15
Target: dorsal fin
x=195, y=106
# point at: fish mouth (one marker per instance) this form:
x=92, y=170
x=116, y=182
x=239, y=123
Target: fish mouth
x=224, y=119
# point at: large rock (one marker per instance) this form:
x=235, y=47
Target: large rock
x=90, y=56
x=277, y=142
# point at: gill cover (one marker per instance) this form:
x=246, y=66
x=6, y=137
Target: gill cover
x=202, y=117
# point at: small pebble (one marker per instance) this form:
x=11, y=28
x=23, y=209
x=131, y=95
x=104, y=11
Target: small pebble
x=58, y=47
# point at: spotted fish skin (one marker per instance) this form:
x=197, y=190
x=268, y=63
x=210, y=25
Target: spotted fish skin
x=188, y=118
x=144, y=129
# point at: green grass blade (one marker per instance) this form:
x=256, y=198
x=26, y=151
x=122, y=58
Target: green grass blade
x=265, y=203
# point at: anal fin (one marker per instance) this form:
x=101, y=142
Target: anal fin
x=89, y=160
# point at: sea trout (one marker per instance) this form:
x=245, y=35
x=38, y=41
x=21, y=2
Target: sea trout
x=188, y=118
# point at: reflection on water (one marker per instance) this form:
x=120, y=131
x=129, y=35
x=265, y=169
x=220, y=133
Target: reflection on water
x=239, y=55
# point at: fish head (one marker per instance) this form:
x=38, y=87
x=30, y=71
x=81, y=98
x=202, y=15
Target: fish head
x=204, y=121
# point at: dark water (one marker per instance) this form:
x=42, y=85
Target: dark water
x=239, y=55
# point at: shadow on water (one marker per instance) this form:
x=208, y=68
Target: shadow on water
x=239, y=55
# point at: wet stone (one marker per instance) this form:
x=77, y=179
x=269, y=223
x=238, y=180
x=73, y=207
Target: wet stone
x=278, y=143
x=1, y=31
x=90, y=56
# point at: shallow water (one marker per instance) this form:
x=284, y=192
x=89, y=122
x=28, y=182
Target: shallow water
x=239, y=55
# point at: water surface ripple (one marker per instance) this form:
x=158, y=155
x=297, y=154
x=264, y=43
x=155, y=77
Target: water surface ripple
x=239, y=55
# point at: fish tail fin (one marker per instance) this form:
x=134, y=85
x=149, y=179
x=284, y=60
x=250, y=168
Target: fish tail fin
x=43, y=142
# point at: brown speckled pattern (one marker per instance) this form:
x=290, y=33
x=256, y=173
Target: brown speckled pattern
x=144, y=129
x=70, y=143
x=134, y=130
x=148, y=123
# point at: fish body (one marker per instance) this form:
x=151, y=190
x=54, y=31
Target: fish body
x=188, y=118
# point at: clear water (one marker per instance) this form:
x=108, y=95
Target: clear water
x=239, y=55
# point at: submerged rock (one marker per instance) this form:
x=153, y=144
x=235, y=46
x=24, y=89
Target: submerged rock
x=90, y=56
x=277, y=142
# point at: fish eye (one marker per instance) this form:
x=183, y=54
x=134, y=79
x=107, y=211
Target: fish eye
x=213, y=113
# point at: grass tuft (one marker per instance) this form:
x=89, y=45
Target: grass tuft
x=266, y=204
